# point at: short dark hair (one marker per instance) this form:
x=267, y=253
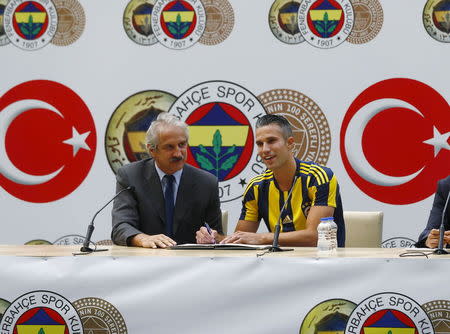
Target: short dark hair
x=282, y=122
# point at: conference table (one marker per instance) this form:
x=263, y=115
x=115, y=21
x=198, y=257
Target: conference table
x=46, y=288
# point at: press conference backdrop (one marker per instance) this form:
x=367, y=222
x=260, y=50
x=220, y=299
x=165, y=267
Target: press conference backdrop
x=364, y=83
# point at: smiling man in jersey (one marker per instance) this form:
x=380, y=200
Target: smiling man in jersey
x=315, y=194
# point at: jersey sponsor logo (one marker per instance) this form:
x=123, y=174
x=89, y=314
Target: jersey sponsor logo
x=100, y=316
x=71, y=22
x=41, y=312
x=219, y=21
x=436, y=19
x=329, y=316
x=439, y=313
x=47, y=141
x=368, y=21
x=325, y=23
x=387, y=160
x=125, y=134
x=283, y=21
x=221, y=117
x=309, y=124
x=30, y=25
x=178, y=24
x=137, y=21
x=398, y=242
x=388, y=313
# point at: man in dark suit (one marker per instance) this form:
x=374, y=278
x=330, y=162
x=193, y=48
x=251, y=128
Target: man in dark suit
x=145, y=217
x=430, y=236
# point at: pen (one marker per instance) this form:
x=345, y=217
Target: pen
x=209, y=231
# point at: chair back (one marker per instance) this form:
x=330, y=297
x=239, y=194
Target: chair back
x=363, y=229
x=225, y=222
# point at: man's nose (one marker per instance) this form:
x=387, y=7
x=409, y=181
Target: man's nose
x=177, y=152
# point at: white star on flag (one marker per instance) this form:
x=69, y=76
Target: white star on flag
x=439, y=141
x=78, y=141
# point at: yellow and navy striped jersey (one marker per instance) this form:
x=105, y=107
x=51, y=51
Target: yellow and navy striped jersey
x=315, y=185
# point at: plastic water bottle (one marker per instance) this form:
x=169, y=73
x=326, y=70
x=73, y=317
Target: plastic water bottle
x=333, y=236
x=324, y=235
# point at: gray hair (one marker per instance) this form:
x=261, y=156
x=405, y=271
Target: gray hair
x=163, y=120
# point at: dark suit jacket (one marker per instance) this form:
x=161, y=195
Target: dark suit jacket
x=434, y=221
x=143, y=210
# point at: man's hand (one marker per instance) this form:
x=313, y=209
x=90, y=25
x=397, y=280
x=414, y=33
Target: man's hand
x=433, y=238
x=203, y=237
x=240, y=237
x=152, y=241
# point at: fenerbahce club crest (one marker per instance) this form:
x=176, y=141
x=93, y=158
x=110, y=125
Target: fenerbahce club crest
x=389, y=313
x=30, y=25
x=46, y=312
x=436, y=19
x=41, y=312
x=221, y=117
x=178, y=24
x=325, y=23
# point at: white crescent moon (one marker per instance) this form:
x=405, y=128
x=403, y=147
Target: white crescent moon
x=6, y=167
x=353, y=142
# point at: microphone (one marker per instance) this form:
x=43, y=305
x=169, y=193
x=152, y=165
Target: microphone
x=85, y=248
x=440, y=250
x=275, y=246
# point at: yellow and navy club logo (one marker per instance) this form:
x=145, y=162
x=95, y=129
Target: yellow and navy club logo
x=30, y=25
x=40, y=312
x=325, y=23
x=283, y=21
x=178, y=24
x=436, y=19
x=329, y=316
x=389, y=313
x=125, y=134
x=221, y=117
x=3, y=38
x=137, y=21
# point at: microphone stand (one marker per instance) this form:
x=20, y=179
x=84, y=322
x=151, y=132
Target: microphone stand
x=85, y=248
x=440, y=250
x=275, y=245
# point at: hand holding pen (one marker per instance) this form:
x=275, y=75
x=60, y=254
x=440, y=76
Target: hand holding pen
x=210, y=232
x=206, y=235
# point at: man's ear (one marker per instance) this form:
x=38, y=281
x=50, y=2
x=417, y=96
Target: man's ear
x=290, y=142
x=151, y=150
